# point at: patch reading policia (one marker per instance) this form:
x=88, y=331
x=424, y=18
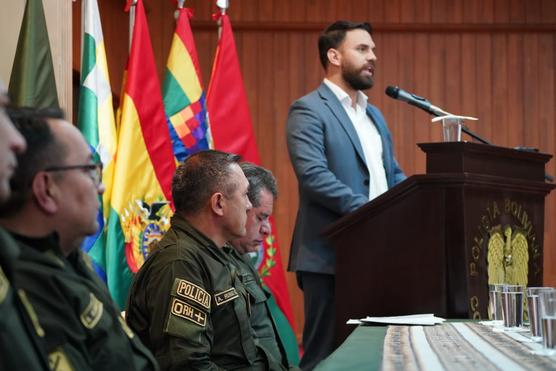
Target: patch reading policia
x=188, y=290
x=225, y=296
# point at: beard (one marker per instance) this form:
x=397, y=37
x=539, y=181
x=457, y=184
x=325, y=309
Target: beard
x=356, y=80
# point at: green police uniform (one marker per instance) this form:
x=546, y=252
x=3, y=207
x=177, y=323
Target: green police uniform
x=83, y=328
x=189, y=306
x=20, y=331
x=260, y=318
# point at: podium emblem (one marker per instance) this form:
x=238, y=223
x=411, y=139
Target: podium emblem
x=508, y=256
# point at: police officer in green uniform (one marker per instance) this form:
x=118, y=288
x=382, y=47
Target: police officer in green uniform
x=53, y=207
x=20, y=332
x=188, y=302
x=21, y=346
x=262, y=193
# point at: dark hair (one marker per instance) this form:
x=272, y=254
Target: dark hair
x=259, y=178
x=43, y=150
x=334, y=35
x=199, y=177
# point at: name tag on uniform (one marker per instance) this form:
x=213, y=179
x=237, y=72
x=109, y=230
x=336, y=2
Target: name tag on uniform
x=190, y=291
x=225, y=296
x=182, y=309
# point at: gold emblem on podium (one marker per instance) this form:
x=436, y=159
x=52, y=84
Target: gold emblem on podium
x=507, y=256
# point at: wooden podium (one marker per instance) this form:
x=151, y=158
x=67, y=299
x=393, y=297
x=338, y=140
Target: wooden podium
x=422, y=246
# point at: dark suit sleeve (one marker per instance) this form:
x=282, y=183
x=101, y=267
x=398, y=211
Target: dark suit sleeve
x=306, y=145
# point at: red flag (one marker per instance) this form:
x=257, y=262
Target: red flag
x=232, y=131
x=227, y=101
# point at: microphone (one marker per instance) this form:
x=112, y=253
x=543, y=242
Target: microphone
x=415, y=100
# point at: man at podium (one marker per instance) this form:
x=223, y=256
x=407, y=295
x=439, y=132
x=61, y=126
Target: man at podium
x=341, y=151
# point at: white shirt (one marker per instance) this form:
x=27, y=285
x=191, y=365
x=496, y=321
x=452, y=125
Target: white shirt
x=369, y=138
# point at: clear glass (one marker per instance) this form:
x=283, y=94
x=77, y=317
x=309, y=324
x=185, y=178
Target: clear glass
x=547, y=310
x=533, y=310
x=495, y=302
x=512, y=306
x=451, y=129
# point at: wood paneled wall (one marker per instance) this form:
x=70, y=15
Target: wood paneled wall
x=492, y=59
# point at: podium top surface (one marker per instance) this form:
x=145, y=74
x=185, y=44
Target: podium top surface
x=467, y=157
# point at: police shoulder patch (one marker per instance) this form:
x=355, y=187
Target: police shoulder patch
x=92, y=313
x=4, y=285
x=225, y=296
x=183, y=310
x=191, y=291
x=58, y=361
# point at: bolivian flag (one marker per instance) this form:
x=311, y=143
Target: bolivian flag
x=141, y=191
x=183, y=96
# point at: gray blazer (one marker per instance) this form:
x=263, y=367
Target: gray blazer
x=332, y=175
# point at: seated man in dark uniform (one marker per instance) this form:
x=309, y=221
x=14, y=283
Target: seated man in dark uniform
x=188, y=302
x=53, y=207
x=20, y=347
x=263, y=191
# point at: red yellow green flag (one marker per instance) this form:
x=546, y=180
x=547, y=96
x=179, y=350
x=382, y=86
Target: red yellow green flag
x=141, y=191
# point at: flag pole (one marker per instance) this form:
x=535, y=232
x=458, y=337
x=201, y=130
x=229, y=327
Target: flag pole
x=132, y=4
x=222, y=5
x=180, y=6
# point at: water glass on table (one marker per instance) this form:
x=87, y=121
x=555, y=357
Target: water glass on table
x=547, y=309
x=533, y=309
x=512, y=306
x=495, y=302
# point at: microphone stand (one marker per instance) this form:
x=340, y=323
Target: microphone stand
x=474, y=136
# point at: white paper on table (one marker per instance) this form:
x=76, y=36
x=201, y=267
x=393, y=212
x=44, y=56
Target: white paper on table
x=428, y=319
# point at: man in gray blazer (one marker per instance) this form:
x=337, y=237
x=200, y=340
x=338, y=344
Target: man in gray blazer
x=341, y=151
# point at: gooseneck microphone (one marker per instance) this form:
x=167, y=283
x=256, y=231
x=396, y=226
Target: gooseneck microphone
x=420, y=102
x=415, y=100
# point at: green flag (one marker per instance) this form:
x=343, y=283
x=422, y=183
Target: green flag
x=32, y=81
x=96, y=120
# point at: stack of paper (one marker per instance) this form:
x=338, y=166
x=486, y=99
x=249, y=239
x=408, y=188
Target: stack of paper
x=428, y=319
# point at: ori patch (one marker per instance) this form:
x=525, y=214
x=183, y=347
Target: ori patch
x=182, y=309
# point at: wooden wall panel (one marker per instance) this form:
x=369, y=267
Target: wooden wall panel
x=493, y=59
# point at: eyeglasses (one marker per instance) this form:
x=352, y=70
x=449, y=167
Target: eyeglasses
x=93, y=170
